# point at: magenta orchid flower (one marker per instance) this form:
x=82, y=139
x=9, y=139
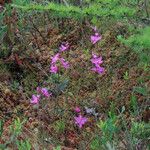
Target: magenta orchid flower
x=35, y=99
x=53, y=68
x=80, y=120
x=45, y=92
x=64, y=63
x=64, y=47
x=94, y=55
x=55, y=58
x=96, y=60
x=98, y=69
x=38, y=89
x=77, y=109
x=95, y=38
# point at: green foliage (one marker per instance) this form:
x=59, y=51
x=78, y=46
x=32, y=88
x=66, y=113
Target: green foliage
x=96, y=11
x=126, y=75
x=23, y=145
x=95, y=144
x=96, y=8
x=110, y=146
x=59, y=82
x=108, y=128
x=140, y=43
x=15, y=85
x=60, y=126
x=1, y=127
x=15, y=130
x=16, y=127
x=139, y=131
x=5, y=31
x=57, y=148
x=141, y=90
x=133, y=104
x=21, y=2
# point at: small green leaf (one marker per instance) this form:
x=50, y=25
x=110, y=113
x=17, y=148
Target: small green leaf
x=1, y=127
x=141, y=90
x=57, y=148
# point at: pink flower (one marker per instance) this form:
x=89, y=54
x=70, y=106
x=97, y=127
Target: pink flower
x=35, y=99
x=64, y=63
x=95, y=38
x=53, y=68
x=98, y=69
x=80, y=121
x=77, y=109
x=96, y=60
x=64, y=47
x=45, y=92
x=55, y=58
x=94, y=55
x=38, y=89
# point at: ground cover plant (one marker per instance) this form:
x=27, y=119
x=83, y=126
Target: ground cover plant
x=75, y=75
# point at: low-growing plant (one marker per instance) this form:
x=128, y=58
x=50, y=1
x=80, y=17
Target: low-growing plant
x=139, y=42
x=23, y=145
x=108, y=128
x=57, y=148
x=16, y=127
x=59, y=126
x=126, y=75
x=96, y=143
x=15, y=130
x=134, y=105
x=1, y=127
x=28, y=32
x=140, y=134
